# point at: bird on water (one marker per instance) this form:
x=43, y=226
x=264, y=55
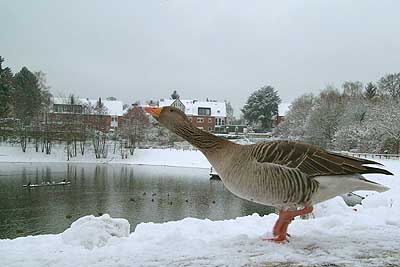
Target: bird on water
x=292, y=176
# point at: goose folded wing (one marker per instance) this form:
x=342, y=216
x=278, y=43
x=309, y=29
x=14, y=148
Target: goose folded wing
x=312, y=160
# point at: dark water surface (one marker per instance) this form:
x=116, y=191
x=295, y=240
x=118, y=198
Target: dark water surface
x=137, y=193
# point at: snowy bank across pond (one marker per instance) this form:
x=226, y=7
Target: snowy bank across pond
x=159, y=157
x=367, y=235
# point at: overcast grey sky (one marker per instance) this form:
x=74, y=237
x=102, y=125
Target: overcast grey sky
x=217, y=49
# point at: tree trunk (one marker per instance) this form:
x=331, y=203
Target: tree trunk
x=43, y=144
x=48, y=147
x=67, y=150
x=82, y=146
x=37, y=144
x=23, y=142
x=75, y=148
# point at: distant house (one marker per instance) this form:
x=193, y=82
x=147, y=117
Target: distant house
x=179, y=105
x=283, y=109
x=205, y=115
x=100, y=114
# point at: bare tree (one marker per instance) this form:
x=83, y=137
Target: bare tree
x=99, y=136
x=134, y=125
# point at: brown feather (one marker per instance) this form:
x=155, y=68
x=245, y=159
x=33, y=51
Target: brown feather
x=312, y=160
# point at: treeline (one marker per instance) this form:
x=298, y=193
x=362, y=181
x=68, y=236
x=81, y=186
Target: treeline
x=24, y=100
x=355, y=117
x=26, y=118
x=23, y=95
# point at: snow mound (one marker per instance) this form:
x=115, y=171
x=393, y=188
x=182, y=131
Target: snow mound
x=376, y=200
x=91, y=231
x=335, y=206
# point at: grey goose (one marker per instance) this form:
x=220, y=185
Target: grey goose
x=292, y=176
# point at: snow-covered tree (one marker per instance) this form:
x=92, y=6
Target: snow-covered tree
x=261, y=106
x=229, y=112
x=324, y=120
x=296, y=120
x=390, y=85
x=352, y=128
x=385, y=119
x=352, y=89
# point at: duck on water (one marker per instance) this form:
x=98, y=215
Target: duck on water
x=30, y=185
x=291, y=176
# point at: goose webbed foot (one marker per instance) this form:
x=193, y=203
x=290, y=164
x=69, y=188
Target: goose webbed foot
x=281, y=226
x=277, y=239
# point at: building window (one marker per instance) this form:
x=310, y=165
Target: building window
x=204, y=111
x=222, y=121
x=209, y=120
x=179, y=106
x=57, y=108
x=200, y=120
x=209, y=129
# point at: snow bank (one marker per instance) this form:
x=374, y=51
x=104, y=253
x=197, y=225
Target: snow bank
x=91, y=231
x=353, y=239
x=159, y=157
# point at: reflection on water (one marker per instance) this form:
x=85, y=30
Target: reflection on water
x=137, y=193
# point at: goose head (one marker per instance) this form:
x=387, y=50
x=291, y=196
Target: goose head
x=176, y=121
x=170, y=117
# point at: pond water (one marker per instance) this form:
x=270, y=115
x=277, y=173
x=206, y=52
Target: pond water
x=136, y=193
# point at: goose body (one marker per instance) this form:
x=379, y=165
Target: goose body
x=285, y=174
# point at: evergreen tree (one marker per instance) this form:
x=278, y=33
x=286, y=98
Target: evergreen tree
x=27, y=96
x=44, y=89
x=370, y=91
x=6, y=90
x=261, y=106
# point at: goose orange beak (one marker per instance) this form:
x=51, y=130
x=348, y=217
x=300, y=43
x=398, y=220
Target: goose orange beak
x=155, y=112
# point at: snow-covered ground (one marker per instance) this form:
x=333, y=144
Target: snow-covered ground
x=367, y=235
x=159, y=157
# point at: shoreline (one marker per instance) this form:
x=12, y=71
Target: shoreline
x=146, y=157
x=116, y=163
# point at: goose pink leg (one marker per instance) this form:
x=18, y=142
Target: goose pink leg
x=285, y=218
